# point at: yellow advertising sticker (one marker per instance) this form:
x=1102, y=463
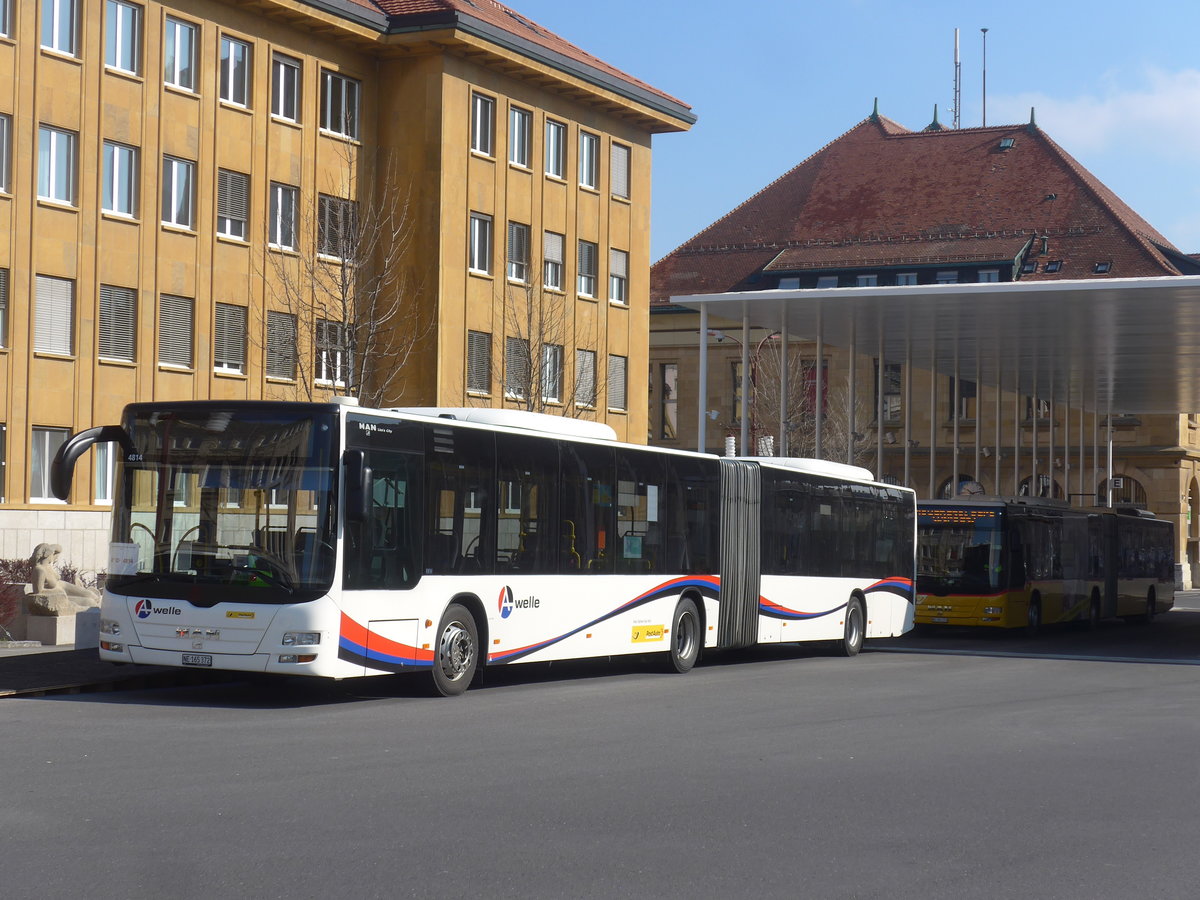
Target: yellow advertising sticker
x=239, y=614
x=644, y=634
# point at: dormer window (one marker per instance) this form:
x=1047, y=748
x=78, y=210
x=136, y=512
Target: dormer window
x=1102, y=268
x=789, y=283
x=827, y=281
x=1029, y=267
x=866, y=280
x=1007, y=143
x=1053, y=266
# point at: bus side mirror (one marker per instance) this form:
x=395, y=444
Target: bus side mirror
x=63, y=467
x=357, y=475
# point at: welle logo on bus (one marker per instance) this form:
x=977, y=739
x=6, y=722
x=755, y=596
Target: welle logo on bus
x=507, y=603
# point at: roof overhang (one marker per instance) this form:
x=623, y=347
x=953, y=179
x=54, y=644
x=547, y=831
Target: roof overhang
x=1125, y=346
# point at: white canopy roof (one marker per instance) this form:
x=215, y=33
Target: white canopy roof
x=1108, y=344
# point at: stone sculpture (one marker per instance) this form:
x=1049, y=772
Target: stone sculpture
x=52, y=596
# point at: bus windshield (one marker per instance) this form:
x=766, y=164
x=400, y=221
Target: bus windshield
x=237, y=498
x=959, y=550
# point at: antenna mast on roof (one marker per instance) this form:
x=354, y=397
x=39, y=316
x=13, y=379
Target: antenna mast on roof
x=957, y=82
x=984, y=30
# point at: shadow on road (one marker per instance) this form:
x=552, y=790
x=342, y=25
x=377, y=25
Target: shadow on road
x=1171, y=639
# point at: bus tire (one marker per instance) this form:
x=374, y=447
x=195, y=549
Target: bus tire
x=1093, y=621
x=854, y=632
x=1033, y=616
x=457, y=651
x=685, y=636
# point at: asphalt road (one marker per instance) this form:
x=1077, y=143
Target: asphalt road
x=942, y=765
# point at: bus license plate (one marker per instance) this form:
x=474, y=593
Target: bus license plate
x=940, y=620
x=197, y=659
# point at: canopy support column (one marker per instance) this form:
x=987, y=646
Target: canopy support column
x=702, y=400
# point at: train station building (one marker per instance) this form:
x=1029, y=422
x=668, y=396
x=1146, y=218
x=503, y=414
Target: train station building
x=972, y=309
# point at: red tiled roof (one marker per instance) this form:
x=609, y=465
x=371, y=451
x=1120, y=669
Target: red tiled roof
x=880, y=189
x=507, y=19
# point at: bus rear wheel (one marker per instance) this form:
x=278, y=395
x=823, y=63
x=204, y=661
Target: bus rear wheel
x=854, y=631
x=685, y=636
x=457, y=652
x=1033, y=617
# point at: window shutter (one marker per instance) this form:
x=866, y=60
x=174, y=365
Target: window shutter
x=552, y=247
x=587, y=258
x=618, y=263
x=585, y=377
x=175, y=330
x=281, y=345
x=616, y=382
x=118, y=310
x=479, y=362
x=620, y=170
x=3, y=317
x=233, y=190
x=229, y=351
x=516, y=366
x=54, y=328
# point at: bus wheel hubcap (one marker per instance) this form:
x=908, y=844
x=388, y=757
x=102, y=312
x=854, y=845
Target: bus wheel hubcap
x=455, y=652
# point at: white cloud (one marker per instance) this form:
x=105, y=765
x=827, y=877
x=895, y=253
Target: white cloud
x=1152, y=112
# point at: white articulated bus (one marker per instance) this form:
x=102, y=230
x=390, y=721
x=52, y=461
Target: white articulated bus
x=333, y=540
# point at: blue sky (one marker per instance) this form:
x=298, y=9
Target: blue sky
x=1116, y=85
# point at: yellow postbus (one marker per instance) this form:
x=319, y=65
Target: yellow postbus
x=1024, y=562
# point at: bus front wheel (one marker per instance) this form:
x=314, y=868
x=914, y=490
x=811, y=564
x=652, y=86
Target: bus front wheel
x=457, y=651
x=854, y=631
x=1033, y=617
x=685, y=636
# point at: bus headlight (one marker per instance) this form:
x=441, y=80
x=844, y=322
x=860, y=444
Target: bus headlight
x=110, y=626
x=301, y=638
x=297, y=657
x=993, y=610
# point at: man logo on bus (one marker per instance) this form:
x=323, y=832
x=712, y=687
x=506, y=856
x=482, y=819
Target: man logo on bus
x=506, y=602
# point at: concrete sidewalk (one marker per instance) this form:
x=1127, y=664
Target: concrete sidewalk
x=33, y=671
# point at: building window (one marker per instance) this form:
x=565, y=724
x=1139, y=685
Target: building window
x=122, y=36
x=516, y=368
x=46, y=442
x=620, y=171
x=339, y=104
x=518, y=252
x=552, y=261
x=989, y=275
x=519, y=136
x=281, y=231
x=56, y=165
x=177, y=192
x=483, y=119
x=179, y=55
x=906, y=278
x=480, y=249
x=119, y=192
x=948, y=276
x=118, y=322
x=5, y=31
x=618, y=277
x=556, y=149
x=866, y=280
x=589, y=160
x=1029, y=267
x=1100, y=268
x=552, y=369
x=105, y=469
x=233, y=199
x=175, y=326
x=827, y=281
x=1036, y=408
x=337, y=227
x=285, y=88
x=1053, y=266
x=281, y=345
x=60, y=25
x=5, y=153
x=331, y=352
x=668, y=401
x=585, y=378
x=229, y=345
x=967, y=392
x=587, y=269
x=892, y=402
x=235, y=71
x=54, y=322
x=3, y=311
x=616, y=382
x=479, y=362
